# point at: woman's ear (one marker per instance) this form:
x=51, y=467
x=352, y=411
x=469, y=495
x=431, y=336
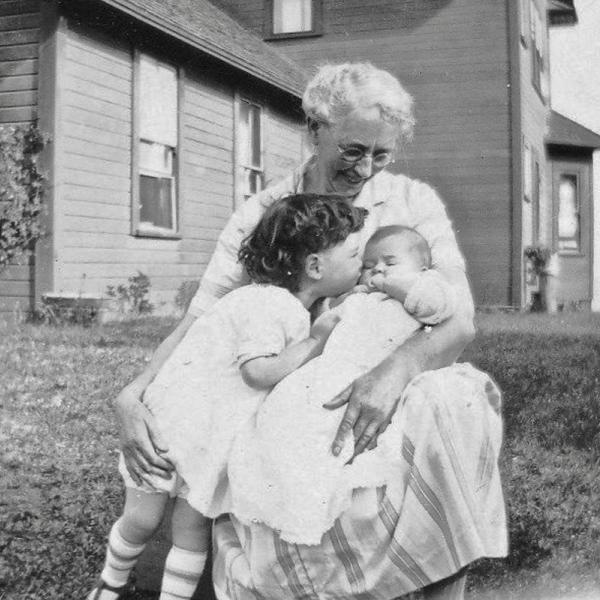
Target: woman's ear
x=313, y=130
x=313, y=267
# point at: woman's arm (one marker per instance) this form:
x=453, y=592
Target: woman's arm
x=264, y=372
x=372, y=399
x=141, y=442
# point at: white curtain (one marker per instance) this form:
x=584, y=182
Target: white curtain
x=157, y=101
x=291, y=16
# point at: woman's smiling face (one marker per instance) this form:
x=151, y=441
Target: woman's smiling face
x=362, y=129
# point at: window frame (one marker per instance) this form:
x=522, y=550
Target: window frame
x=239, y=166
x=317, y=22
x=137, y=229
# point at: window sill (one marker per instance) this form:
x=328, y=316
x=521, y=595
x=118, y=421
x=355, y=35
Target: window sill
x=269, y=37
x=156, y=233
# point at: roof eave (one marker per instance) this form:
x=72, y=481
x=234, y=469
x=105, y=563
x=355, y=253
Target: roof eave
x=205, y=46
x=565, y=132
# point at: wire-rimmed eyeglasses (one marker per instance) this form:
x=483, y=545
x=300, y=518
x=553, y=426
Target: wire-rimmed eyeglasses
x=354, y=154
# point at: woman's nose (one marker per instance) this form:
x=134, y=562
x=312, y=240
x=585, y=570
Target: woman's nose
x=364, y=167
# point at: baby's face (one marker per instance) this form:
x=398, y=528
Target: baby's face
x=387, y=256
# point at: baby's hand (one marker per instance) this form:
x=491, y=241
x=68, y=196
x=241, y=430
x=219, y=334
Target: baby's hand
x=376, y=283
x=395, y=285
x=361, y=288
x=323, y=326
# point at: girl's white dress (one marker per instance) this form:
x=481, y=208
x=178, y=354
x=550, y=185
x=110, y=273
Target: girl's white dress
x=281, y=470
x=199, y=398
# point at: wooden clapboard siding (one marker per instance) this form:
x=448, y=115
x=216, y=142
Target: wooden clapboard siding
x=452, y=55
x=93, y=243
x=283, y=145
x=19, y=37
x=16, y=287
x=95, y=160
x=207, y=122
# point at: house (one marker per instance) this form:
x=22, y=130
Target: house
x=162, y=116
x=488, y=137
x=479, y=72
x=575, y=98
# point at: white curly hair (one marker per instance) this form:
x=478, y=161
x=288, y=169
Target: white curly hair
x=338, y=89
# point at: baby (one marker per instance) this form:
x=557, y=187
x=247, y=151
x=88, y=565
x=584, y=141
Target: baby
x=292, y=482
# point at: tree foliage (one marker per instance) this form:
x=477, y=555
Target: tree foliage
x=21, y=190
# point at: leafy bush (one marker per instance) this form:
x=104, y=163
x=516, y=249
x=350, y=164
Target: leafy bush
x=63, y=311
x=21, y=186
x=539, y=257
x=133, y=297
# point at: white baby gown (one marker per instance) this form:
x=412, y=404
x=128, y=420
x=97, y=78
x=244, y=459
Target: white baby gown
x=281, y=469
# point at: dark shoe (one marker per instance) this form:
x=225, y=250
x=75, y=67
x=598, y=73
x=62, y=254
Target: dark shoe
x=102, y=586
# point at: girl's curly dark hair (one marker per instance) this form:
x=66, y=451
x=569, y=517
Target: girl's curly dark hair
x=291, y=229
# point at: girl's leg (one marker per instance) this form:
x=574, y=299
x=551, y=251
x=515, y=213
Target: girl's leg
x=186, y=559
x=141, y=517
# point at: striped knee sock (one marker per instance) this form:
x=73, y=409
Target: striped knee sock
x=121, y=557
x=182, y=574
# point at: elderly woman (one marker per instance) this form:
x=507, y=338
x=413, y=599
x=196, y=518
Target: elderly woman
x=448, y=510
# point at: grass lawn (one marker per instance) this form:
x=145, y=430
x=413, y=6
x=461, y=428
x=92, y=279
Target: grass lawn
x=60, y=492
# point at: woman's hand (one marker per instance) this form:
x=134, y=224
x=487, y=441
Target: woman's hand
x=141, y=441
x=372, y=400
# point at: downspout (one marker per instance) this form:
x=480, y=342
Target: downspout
x=515, y=291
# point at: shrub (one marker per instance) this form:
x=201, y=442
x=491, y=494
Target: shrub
x=133, y=297
x=539, y=257
x=64, y=311
x=21, y=186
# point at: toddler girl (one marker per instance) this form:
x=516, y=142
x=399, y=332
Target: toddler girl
x=301, y=250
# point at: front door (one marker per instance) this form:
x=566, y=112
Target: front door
x=572, y=228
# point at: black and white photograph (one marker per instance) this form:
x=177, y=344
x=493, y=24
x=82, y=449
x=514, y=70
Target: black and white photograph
x=299, y=300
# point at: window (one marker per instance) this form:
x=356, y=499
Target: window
x=569, y=222
x=289, y=18
x=539, y=75
x=155, y=134
x=249, y=148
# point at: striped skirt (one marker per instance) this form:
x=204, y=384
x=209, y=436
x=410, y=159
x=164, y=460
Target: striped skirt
x=445, y=510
